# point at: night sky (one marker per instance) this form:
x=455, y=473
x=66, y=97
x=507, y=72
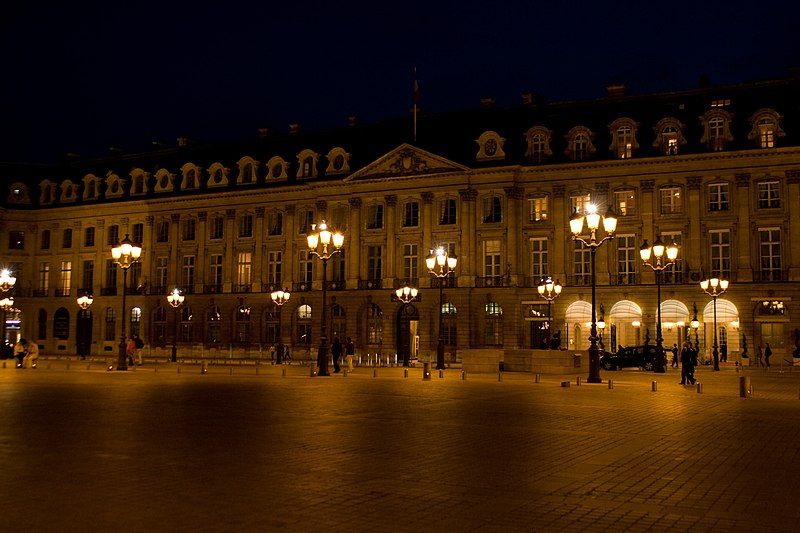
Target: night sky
x=82, y=78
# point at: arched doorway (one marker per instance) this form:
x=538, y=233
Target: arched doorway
x=578, y=314
x=727, y=329
x=407, y=323
x=625, y=318
x=83, y=332
x=675, y=320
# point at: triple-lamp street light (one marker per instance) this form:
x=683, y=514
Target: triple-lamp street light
x=695, y=326
x=84, y=302
x=324, y=244
x=715, y=287
x=440, y=264
x=125, y=253
x=593, y=219
x=175, y=299
x=279, y=298
x=7, y=282
x=654, y=257
x=406, y=295
x=549, y=290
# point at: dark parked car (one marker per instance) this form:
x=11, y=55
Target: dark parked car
x=630, y=356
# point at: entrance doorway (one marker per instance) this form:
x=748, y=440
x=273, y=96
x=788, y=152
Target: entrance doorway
x=539, y=334
x=83, y=332
x=407, y=338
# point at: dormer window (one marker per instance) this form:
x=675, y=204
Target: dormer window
x=538, y=143
x=623, y=137
x=247, y=171
x=669, y=136
x=48, y=192
x=579, y=143
x=191, y=177
x=766, y=127
x=490, y=146
x=138, y=181
x=164, y=180
x=114, y=185
x=716, y=129
x=338, y=162
x=69, y=191
x=18, y=194
x=217, y=175
x=492, y=209
x=277, y=168
x=307, y=160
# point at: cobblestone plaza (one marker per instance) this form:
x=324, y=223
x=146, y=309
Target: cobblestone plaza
x=243, y=450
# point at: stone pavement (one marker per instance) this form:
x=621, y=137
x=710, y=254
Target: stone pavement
x=147, y=450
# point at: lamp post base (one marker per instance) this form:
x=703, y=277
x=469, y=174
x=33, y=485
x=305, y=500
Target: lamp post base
x=174, y=357
x=322, y=360
x=122, y=360
x=440, y=355
x=594, y=362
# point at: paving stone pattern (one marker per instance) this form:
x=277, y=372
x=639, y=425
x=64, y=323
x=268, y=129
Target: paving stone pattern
x=147, y=450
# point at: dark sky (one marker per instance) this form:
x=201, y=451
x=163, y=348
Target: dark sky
x=80, y=77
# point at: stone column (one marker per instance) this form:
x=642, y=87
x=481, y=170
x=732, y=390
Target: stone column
x=353, y=244
x=649, y=207
x=391, y=244
x=428, y=216
x=202, y=261
x=149, y=238
x=692, y=249
x=227, y=263
x=562, y=238
x=256, y=276
x=513, y=228
x=468, y=244
x=288, y=260
x=741, y=234
x=793, y=231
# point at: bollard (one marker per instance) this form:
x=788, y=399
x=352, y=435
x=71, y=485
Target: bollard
x=441, y=374
x=283, y=372
x=345, y=372
x=565, y=384
x=374, y=372
x=610, y=384
x=405, y=372
x=312, y=371
x=463, y=375
x=578, y=381
x=110, y=368
x=751, y=391
x=537, y=378
x=744, y=386
x=426, y=371
x=654, y=386
x=699, y=388
x=203, y=368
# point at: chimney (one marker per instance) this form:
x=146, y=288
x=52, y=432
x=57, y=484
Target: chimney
x=263, y=133
x=183, y=141
x=487, y=102
x=352, y=120
x=294, y=128
x=616, y=90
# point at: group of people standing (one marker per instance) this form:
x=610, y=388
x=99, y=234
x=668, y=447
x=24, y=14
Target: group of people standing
x=337, y=347
x=688, y=362
x=26, y=353
x=133, y=349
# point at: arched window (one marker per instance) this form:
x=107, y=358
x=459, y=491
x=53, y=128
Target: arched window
x=449, y=316
x=243, y=324
x=158, y=329
x=339, y=321
x=136, y=320
x=61, y=324
x=493, y=320
x=304, y=325
x=111, y=324
x=374, y=324
x=766, y=127
x=187, y=325
x=42, y=323
x=213, y=319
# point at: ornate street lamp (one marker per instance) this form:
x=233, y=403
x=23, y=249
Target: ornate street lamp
x=84, y=302
x=549, y=290
x=593, y=219
x=440, y=265
x=601, y=325
x=279, y=298
x=695, y=326
x=406, y=295
x=175, y=299
x=324, y=244
x=715, y=287
x=659, y=258
x=6, y=304
x=7, y=281
x=125, y=253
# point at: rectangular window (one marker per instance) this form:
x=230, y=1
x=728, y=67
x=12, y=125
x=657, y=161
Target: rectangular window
x=537, y=209
x=135, y=275
x=16, y=240
x=671, y=201
x=215, y=264
x=274, y=268
x=491, y=259
x=766, y=134
x=768, y=195
x=246, y=226
x=674, y=273
x=338, y=217
x=374, y=263
x=578, y=203
x=337, y=267
x=626, y=203
x=244, y=265
x=217, y=227
x=187, y=272
x=411, y=215
x=138, y=233
x=88, y=276
x=275, y=224
x=112, y=237
x=111, y=274
x=162, y=271
x=306, y=272
x=66, y=277
x=306, y=221
x=88, y=237
x=447, y=211
x=720, y=252
x=375, y=216
x=672, y=146
x=45, y=240
x=111, y=321
x=44, y=277
x=581, y=264
x=769, y=249
x=189, y=226
x=411, y=263
x=627, y=252
x=539, y=266
x=66, y=238
x=718, y=197
x=492, y=210
x=162, y=233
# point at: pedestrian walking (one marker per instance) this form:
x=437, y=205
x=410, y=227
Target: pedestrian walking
x=675, y=355
x=349, y=350
x=767, y=355
x=759, y=356
x=724, y=353
x=130, y=350
x=336, y=352
x=138, y=344
x=19, y=351
x=687, y=368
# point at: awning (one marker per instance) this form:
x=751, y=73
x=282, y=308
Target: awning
x=579, y=311
x=726, y=311
x=674, y=311
x=625, y=310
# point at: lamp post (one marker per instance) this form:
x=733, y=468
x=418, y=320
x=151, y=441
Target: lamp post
x=440, y=265
x=175, y=299
x=715, y=287
x=84, y=302
x=7, y=282
x=549, y=290
x=406, y=295
x=593, y=224
x=279, y=298
x=324, y=244
x=124, y=253
x=695, y=326
x=601, y=325
x=6, y=304
x=654, y=257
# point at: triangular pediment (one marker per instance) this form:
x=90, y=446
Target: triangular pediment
x=407, y=160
